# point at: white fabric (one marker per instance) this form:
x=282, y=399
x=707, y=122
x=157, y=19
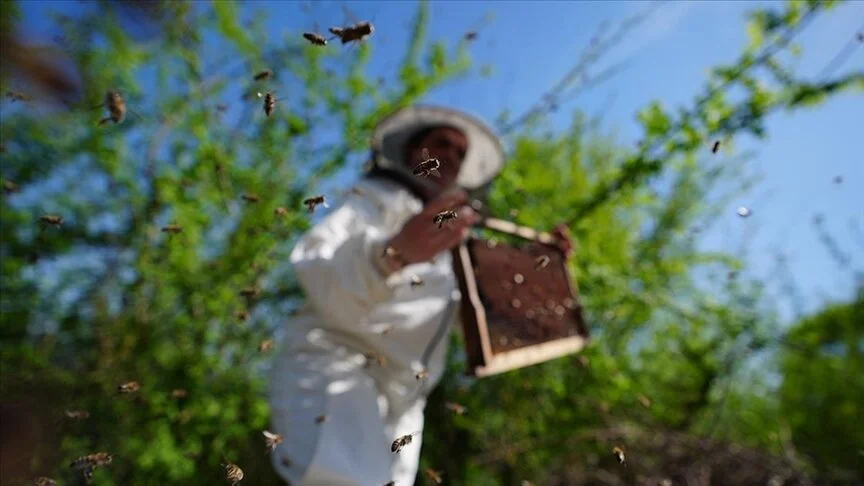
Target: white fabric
x=320, y=367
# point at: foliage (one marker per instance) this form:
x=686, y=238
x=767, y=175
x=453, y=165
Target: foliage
x=110, y=297
x=822, y=378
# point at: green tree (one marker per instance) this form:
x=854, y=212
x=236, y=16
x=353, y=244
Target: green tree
x=823, y=387
x=111, y=296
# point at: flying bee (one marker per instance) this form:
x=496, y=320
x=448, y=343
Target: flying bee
x=716, y=147
x=92, y=461
x=280, y=211
x=287, y=462
x=233, y=473
x=455, y=408
x=416, y=281
x=77, y=414
x=541, y=262
x=470, y=36
x=315, y=38
x=18, y=96
x=390, y=483
x=430, y=165
x=172, y=229
x=744, y=212
x=353, y=33
x=262, y=75
x=434, y=475
x=269, y=102
x=272, y=440
x=242, y=315
x=51, y=219
x=250, y=292
x=422, y=375
x=645, y=401
x=619, y=454
x=320, y=419
x=837, y=180
x=43, y=481
x=179, y=393
x=116, y=105
x=401, y=442
x=444, y=217
x=130, y=387
x=376, y=358
x=266, y=346
x=312, y=202
x=10, y=187
x=252, y=198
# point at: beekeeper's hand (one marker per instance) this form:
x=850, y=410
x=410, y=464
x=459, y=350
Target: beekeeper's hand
x=421, y=239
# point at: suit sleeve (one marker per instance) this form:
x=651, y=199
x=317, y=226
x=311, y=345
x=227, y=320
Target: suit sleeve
x=336, y=266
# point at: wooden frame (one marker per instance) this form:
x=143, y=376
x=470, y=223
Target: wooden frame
x=483, y=360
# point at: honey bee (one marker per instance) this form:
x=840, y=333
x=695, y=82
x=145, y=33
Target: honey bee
x=262, y=75
x=130, y=387
x=422, y=375
x=401, y=442
x=172, y=229
x=280, y=211
x=455, y=408
x=116, y=105
x=312, y=202
x=179, y=393
x=43, y=481
x=269, y=102
x=744, y=212
x=645, y=401
x=376, y=358
x=860, y=36
x=320, y=419
x=433, y=475
x=250, y=292
x=416, y=281
x=619, y=454
x=77, y=414
x=837, y=180
x=51, y=219
x=470, y=36
x=233, y=473
x=716, y=147
x=315, y=39
x=272, y=440
x=390, y=483
x=91, y=461
x=18, y=96
x=242, y=315
x=10, y=187
x=252, y=198
x=541, y=262
x=444, y=217
x=353, y=33
x=386, y=330
x=287, y=462
x=430, y=165
x=266, y=346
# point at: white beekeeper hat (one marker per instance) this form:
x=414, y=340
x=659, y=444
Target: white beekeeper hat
x=483, y=160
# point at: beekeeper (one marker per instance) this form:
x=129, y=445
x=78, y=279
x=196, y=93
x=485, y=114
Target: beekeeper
x=351, y=376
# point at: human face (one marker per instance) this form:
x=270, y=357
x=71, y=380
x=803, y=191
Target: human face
x=446, y=144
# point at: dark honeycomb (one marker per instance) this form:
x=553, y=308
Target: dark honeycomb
x=524, y=305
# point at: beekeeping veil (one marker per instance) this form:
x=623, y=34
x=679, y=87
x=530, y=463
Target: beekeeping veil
x=483, y=160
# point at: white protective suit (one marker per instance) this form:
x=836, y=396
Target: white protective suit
x=351, y=309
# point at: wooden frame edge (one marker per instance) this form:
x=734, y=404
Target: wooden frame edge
x=531, y=355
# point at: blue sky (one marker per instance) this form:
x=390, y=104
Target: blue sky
x=532, y=44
